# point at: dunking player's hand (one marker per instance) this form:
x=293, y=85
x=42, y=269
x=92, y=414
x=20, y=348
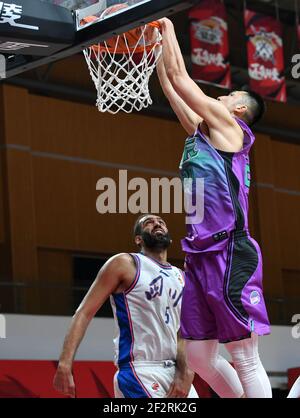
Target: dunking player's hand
x=64, y=382
x=181, y=385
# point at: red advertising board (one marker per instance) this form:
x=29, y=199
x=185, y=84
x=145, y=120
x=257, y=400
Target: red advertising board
x=93, y=379
x=293, y=375
x=33, y=379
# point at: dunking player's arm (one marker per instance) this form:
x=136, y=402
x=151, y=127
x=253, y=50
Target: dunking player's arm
x=115, y=276
x=188, y=119
x=224, y=131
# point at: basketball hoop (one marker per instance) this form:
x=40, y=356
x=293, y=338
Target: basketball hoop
x=121, y=66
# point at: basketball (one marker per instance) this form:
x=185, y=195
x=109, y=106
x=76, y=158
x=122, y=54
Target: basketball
x=113, y=9
x=127, y=41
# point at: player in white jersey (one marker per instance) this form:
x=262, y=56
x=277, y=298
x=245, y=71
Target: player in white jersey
x=145, y=293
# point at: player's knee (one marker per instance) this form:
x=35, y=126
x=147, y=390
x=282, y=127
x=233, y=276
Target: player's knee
x=247, y=366
x=200, y=361
x=245, y=355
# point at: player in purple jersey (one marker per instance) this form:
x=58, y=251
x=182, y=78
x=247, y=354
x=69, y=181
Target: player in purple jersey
x=223, y=298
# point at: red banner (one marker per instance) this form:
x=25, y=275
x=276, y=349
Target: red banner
x=209, y=43
x=265, y=55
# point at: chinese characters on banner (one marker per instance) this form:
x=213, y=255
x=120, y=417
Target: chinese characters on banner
x=209, y=43
x=11, y=14
x=265, y=55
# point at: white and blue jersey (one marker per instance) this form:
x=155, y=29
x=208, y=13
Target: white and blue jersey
x=147, y=317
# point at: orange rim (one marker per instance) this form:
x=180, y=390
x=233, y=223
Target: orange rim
x=119, y=49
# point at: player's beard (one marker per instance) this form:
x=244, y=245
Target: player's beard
x=156, y=241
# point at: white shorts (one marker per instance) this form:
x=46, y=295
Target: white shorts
x=146, y=380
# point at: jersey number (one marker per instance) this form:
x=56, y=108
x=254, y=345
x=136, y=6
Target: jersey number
x=167, y=315
x=247, y=175
x=190, y=150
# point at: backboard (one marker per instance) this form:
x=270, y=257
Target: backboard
x=76, y=4
x=38, y=32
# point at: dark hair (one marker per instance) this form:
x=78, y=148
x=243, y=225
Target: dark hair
x=256, y=105
x=137, y=229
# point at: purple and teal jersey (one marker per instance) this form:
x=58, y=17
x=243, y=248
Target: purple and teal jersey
x=226, y=187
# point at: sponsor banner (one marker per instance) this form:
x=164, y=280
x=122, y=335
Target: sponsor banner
x=209, y=43
x=265, y=55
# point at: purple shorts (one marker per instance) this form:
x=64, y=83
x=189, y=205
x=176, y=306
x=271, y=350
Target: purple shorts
x=223, y=295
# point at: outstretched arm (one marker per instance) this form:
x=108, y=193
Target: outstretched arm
x=109, y=278
x=187, y=117
x=215, y=114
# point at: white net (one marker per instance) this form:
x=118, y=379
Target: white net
x=122, y=78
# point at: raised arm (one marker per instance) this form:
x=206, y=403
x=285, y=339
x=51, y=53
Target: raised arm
x=112, y=275
x=215, y=114
x=187, y=117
